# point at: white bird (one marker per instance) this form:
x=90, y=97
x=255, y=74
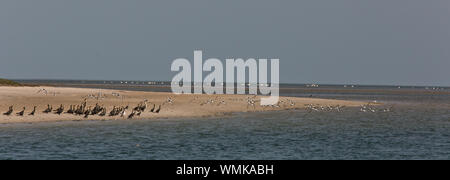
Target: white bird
x=124, y=113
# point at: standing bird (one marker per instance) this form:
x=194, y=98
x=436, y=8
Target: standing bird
x=113, y=111
x=70, y=111
x=144, y=107
x=60, y=110
x=103, y=113
x=158, y=110
x=137, y=107
x=132, y=114
x=21, y=112
x=33, y=112
x=153, y=109
x=49, y=109
x=87, y=112
x=123, y=113
x=9, y=112
x=139, y=113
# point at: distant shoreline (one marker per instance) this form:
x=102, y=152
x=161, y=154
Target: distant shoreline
x=285, y=89
x=167, y=83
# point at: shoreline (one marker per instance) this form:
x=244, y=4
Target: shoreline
x=172, y=106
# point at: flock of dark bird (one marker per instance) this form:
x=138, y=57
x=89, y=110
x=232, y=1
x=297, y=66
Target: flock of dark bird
x=86, y=111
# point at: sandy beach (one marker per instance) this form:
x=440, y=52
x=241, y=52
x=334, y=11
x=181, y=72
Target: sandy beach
x=172, y=106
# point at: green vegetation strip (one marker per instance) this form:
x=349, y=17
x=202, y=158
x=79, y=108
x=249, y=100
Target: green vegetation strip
x=5, y=82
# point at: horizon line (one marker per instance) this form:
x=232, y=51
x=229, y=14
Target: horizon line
x=281, y=83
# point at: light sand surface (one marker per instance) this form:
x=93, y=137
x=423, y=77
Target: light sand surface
x=183, y=106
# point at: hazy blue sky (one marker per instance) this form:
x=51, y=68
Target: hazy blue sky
x=317, y=41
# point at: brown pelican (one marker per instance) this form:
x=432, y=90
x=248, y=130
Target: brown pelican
x=141, y=106
x=79, y=110
x=70, y=111
x=139, y=113
x=158, y=110
x=124, y=112
x=153, y=109
x=97, y=109
x=132, y=114
x=32, y=112
x=21, y=112
x=144, y=107
x=49, y=109
x=59, y=110
x=103, y=113
x=9, y=112
x=87, y=112
x=137, y=107
x=113, y=111
x=84, y=102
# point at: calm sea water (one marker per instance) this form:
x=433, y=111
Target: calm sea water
x=418, y=128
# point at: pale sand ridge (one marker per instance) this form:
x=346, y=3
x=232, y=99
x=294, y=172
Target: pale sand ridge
x=183, y=106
